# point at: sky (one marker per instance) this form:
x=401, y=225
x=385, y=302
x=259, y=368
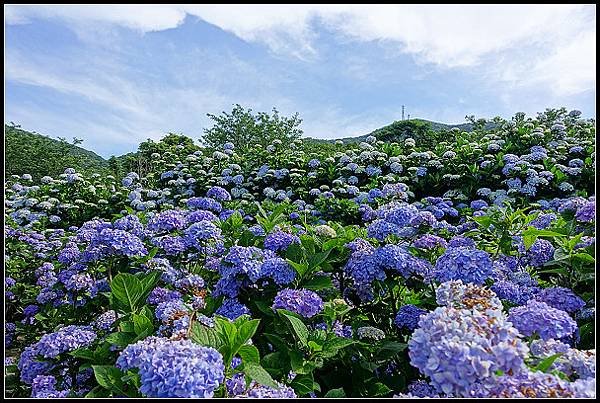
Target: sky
x=117, y=75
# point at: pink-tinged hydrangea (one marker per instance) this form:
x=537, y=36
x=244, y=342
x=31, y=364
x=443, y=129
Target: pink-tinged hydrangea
x=540, y=318
x=464, y=263
x=560, y=298
x=533, y=385
x=174, y=368
x=303, y=302
x=457, y=348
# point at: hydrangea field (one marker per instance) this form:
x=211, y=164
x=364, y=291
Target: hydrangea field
x=371, y=269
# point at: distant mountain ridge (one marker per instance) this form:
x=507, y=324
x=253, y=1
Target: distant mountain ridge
x=435, y=126
x=39, y=155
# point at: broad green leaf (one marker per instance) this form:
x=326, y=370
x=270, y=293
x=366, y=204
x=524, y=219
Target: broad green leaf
x=318, y=283
x=246, y=331
x=259, y=374
x=298, y=327
x=126, y=290
x=303, y=384
x=142, y=324
x=339, y=392
x=547, y=362
x=205, y=336
x=109, y=377
x=249, y=353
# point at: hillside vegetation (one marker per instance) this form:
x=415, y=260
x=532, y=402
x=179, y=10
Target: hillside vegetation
x=39, y=155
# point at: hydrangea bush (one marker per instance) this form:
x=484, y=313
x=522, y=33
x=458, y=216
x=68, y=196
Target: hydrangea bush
x=393, y=267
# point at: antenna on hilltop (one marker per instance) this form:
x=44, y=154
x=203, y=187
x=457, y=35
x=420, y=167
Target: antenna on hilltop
x=408, y=117
x=402, y=112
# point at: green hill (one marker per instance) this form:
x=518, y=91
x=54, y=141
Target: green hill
x=39, y=155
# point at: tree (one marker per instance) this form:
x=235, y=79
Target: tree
x=244, y=129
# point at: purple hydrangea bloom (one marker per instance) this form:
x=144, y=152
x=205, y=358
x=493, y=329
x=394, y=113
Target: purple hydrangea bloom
x=160, y=294
x=166, y=221
x=174, y=368
x=459, y=347
x=464, y=263
x=408, y=317
x=106, y=320
x=560, y=298
x=540, y=252
x=258, y=391
x=540, y=318
x=68, y=338
x=429, y=241
x=204, y=203
x=166, y=310
x=277, y=269
x=232, y=309
x=459, y=241
x=303, y=302
x=513, y=292
x=218, y=193
x=528, y=384
x=44, y=386
x=190, y=282
x=587, y=212
x=280, y=240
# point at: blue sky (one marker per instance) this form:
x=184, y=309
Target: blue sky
x=117, y=75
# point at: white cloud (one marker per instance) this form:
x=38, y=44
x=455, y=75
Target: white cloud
x=561, y=38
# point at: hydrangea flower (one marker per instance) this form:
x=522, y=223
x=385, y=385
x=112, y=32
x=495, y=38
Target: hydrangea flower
x=464, y=263
x=457, y=348
x=408, y=317
x=560, y=298
x=540, y=252
x=280, y=240
x=303, y=302
x=232, y=309
x=540, y=318
x=174, y=368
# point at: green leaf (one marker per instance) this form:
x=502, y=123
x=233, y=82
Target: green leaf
x=318, y=283
x=389, y=349
x=205, y=336
x=339, y=392
x=303, y=384
x=82, y=353
x=246, y=331
x=547, y=362
x=126, y=290
x=300, y=268
x=584, y=257
x=298, y=327
x=315, y=260
x=119, y=339
x=141, y=324
x=148, y=282
x=109, y=377
x=256, y=372
x=249, y=353
x=378, y=389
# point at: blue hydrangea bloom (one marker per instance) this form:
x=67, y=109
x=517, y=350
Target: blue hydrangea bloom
x=408, y=317
x=304, y=302
x=464, y=263
x=560, y=298
x=232, y=309
x=540, y=318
